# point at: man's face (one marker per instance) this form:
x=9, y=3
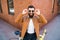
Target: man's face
x=31, y=12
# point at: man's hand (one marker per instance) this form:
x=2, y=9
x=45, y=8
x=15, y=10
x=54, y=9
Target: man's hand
x=24, y=11
x=37, y=11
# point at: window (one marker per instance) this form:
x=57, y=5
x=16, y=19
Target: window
x=10, y=7
x=0, y=6
x=58, y=2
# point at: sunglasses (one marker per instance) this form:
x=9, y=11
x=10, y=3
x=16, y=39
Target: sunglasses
x=31, y=10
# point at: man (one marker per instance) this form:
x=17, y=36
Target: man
x=29, y=20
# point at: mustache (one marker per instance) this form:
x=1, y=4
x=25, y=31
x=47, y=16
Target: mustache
x=31, y=16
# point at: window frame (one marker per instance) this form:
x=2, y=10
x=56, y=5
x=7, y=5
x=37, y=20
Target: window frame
x=0, y=7
x=11, y=13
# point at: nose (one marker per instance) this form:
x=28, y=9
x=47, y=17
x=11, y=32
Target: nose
x=31, y=12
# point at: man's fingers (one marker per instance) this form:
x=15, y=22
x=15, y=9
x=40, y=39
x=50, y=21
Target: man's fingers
x=37, y=11
x=24, y=11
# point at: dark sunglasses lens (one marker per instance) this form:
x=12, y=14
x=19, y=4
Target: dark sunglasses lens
x=29, y=10
x=32, y=10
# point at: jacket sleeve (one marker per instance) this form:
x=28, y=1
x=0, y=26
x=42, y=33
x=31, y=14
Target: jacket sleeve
x=42, y=19
x=18, y=18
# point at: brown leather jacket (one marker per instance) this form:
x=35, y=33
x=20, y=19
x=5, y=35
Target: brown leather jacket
x=24, y=20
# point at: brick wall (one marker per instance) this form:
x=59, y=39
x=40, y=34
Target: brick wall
x=45, y=7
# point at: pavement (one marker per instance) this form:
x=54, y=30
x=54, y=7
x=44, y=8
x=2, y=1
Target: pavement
x=53, y=30
x=7, y=31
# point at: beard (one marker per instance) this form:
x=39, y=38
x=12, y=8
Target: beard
x=31, y=16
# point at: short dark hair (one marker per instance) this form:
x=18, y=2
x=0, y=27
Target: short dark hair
x=31, y=6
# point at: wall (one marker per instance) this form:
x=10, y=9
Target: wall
x=45, y=7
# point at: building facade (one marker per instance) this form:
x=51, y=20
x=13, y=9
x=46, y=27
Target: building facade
x=10, y=9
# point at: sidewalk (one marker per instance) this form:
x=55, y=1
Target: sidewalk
x=53, y=30
x=6, y=31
